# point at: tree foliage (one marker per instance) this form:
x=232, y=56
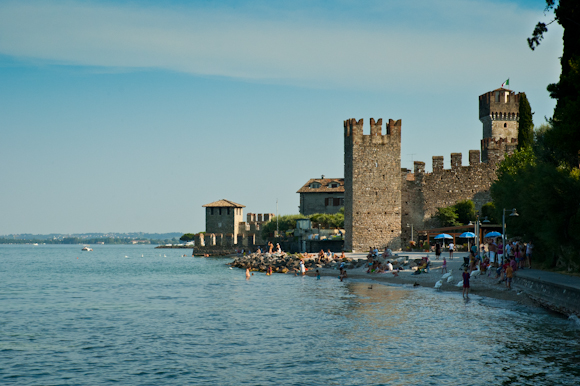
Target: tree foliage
x=490, y=211
x=447, y=216
x=460, y=213
x=465, y=211
x=187, y=237
x=525, y=124
x=288, y=222
x=543, y=182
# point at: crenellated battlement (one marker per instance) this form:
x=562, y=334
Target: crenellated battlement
x=353, y=130
x=259, y=217
x=499, y=103
x=492, y=143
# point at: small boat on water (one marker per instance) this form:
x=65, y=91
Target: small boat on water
x=87, y=248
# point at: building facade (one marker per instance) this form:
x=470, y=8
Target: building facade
x=321, y=195
x=223, y=216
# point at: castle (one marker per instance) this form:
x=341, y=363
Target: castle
x=225, y=228
x=381, y=199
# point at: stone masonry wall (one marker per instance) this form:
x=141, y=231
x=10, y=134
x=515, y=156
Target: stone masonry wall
x=372, y=171
x=423, y=193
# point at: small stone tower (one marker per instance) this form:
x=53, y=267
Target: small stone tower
x=223, y=216
x=499, y=113
x=372, y=184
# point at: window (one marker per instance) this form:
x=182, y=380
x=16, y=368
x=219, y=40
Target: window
x=333, y=185
x=314, y=185
x=505, y=125
x=211, y=211
x=228, y=211
x=220, y=210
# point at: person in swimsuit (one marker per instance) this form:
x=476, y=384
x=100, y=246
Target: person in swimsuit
x=465, y=284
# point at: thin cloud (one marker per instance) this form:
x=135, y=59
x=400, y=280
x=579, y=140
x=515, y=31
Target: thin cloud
x=441, y=41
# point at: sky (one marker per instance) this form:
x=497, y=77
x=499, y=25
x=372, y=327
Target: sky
x=127, y=116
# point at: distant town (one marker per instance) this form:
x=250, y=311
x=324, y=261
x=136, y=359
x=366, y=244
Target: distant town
x=93, y=238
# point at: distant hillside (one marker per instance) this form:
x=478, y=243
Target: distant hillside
x=92, y=238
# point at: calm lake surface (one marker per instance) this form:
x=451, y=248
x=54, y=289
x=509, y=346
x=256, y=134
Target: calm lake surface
x=129, y=315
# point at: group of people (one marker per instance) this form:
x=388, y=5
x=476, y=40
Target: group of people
x=520, y=252
x=378, y=263
x=438, y=248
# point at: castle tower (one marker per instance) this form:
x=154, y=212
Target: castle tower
x=372, y=184
x=223, y=216
x=499, y=114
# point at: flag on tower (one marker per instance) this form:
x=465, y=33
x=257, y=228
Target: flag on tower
x=506, y=83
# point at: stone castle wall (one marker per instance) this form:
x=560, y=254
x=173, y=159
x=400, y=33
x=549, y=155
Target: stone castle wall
x=372, y=201
x=422, y=193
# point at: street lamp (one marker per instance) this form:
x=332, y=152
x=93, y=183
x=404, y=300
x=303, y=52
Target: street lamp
x=411, y=225
x=514, y=213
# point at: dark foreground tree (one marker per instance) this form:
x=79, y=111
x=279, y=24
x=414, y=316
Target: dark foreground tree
x=525, y=124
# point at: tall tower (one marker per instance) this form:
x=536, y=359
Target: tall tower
x=499, y=113
x=372, y=184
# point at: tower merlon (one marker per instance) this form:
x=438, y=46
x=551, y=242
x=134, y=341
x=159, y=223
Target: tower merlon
x=456, y=160
x=437, y=162
x=474, y=157
x=419, y=167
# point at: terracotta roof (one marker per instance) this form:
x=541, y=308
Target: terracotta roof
x=324, y=188
x=223, y=204
x=410, y=177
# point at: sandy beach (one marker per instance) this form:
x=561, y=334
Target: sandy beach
x=481, y=285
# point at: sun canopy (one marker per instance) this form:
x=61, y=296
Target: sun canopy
x=493, y=234
x=467, y=235
x=443, y=236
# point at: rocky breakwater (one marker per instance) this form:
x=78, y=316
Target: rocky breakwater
x=283, y=263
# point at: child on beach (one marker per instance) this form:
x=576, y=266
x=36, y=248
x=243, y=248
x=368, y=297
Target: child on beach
x=465, y=284
x=509, y=273
x=247, y=273
x=444, y=266
x=343, y=275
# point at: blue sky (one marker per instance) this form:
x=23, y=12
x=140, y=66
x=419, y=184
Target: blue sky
x=120, y=116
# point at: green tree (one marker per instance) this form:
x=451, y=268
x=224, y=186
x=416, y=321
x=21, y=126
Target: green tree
x=465, y=211
x=563, y=141
x=187, y=237
x=488, y=210
x=447, y=216
x=525, y=124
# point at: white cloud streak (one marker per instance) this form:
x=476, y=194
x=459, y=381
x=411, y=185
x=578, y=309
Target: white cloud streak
x=387, y=52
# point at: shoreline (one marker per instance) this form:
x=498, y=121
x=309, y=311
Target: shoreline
x=480, y=286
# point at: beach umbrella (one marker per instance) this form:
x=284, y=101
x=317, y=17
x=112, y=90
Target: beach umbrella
x=468, y=235
x=443, y=236
x=493, y=234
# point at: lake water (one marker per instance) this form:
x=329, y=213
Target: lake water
x=85, y=318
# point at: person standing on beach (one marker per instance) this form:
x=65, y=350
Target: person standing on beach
x=465, y=284
x=444, y=266
x=302, y=267
x=247, y=273
x=492, y=246
x=509, y=274
x=437, y=251
x=451, y=247
x=529, y=248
